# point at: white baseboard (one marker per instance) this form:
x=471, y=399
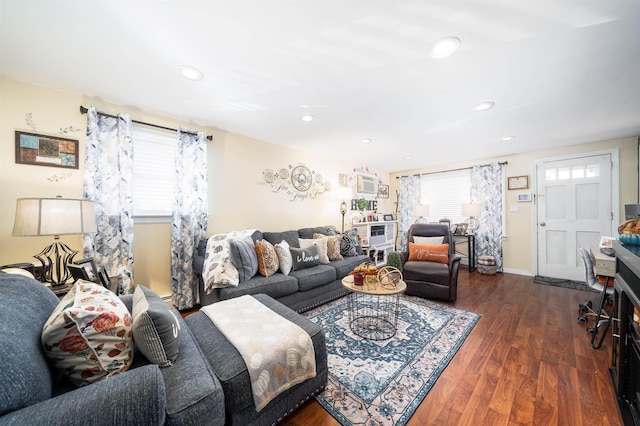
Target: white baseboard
x=518, y=272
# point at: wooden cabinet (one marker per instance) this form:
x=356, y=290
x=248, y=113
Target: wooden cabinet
x=377, y=239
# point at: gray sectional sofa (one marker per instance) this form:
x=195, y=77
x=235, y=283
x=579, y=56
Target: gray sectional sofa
x=300, y=290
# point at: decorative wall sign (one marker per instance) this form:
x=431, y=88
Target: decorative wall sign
x=297, y=181
x=42, y=150
x=383, y=191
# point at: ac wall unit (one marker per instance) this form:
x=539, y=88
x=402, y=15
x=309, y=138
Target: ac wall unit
x=366, y=184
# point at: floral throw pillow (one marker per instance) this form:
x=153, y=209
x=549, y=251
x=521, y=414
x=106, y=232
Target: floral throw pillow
x=267, y=258
x=88, y=336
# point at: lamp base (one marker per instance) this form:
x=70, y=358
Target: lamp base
x=54, y=259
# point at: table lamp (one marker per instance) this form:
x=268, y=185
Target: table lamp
x=54, y=216
x=472, y=211
x=421, y=211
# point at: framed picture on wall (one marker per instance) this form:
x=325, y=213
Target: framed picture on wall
x=518, y=182
x=383, y=191
x=43, y=150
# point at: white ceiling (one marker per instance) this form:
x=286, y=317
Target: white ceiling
x=560, y=72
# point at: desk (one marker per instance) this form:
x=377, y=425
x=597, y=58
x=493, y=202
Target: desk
x=604, y=266
x=471, y=248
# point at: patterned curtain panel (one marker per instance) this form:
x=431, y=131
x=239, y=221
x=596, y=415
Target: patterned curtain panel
x=409, y=198
x=108, y=176
x=190, y=216
x=487, y=187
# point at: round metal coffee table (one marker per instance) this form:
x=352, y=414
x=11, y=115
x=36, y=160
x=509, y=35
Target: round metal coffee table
x=373, y=312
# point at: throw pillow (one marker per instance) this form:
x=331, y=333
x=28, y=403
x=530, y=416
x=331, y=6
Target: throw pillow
x=348, y=243
x=305, y=258
x=333, y=246
x=217, y=270
x=429, y=241
x=267, y=258
x=156, y=330
x=243, y=257
x=88, y=335
x=322, y=248
x=284, y=257
x=435, y=253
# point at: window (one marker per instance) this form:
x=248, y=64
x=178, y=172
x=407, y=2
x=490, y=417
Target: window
x=153, y=172
x=445, y=193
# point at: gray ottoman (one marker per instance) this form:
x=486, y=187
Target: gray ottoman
x=232, y=372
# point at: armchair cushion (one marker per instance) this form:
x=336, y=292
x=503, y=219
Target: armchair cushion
x=438, y=253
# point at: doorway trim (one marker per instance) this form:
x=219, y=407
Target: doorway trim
x=615, y=193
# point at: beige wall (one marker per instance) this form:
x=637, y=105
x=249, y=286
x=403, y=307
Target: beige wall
x=238, y=196
x=519, y=245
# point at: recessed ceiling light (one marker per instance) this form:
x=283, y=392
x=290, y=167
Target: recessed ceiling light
x=508, y=138
x=444, y=47
x=483, y=106
x=190, y=73
x=365, y=141
x=408, y=157
x=307, y=117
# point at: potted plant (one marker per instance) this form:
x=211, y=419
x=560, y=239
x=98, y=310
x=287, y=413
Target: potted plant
x=393, y=259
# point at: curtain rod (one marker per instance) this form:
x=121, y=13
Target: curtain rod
x=451, y=170
x=84, y=110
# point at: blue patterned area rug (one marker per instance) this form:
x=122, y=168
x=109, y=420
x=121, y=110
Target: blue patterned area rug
x=384, y=382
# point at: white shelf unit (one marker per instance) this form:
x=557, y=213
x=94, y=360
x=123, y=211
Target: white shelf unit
x=377, y=239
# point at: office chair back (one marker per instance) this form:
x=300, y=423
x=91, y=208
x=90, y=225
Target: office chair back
x=591, y=279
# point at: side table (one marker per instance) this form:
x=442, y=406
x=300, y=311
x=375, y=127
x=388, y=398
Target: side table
x=373, y=313
x=471, y=248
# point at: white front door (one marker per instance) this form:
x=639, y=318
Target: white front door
x=574, y=208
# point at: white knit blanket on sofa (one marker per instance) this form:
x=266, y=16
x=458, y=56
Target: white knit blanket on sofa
x=277, y=352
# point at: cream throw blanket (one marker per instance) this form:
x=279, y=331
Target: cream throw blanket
x=277, y=352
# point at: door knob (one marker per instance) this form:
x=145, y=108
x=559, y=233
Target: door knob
x=542, y=224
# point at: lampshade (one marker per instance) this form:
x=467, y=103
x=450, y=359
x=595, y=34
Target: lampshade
x=471, y=210
x=421, y=210
x=53, y=216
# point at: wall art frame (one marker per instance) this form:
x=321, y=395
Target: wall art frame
x=518, y=182
x=44, y=150
x=383, y=191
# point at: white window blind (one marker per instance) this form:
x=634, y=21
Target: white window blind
x=445, y=193
x=154, y=166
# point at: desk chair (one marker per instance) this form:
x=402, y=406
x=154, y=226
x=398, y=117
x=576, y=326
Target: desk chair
x=602, y=319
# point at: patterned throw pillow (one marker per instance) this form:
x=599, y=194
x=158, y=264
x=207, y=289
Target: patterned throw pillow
x=88, y=336
x=428, y=241
x=218, y=271
x=156, y=330
x=243, y=257
x=333, y=246
x=348, y=243
x=305, y=258
x=267, y=258
x=322, y=248
x=438, y=253
x=284, y=257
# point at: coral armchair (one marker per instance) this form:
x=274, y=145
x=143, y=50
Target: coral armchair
x=429, y=268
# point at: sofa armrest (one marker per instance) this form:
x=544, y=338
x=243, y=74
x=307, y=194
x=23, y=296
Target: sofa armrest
x=132, y=398
x=404, y=256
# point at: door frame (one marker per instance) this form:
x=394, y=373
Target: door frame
x=615, y=193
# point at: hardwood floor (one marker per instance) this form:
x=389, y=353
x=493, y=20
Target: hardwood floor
x=528, y=361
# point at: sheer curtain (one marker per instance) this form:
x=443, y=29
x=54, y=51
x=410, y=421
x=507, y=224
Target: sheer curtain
x=409, y=198
x=487, y=186
x=190, y=216
x=108, y=177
